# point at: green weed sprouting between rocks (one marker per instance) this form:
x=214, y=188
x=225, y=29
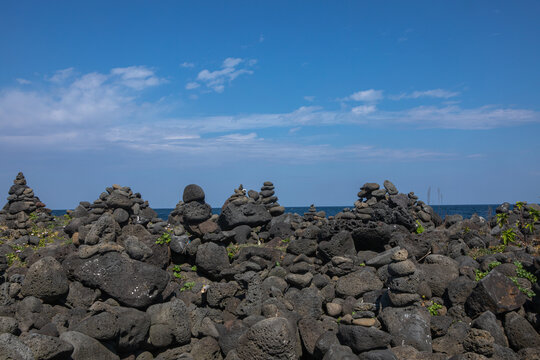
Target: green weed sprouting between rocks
x=434, y=309
x=187, y=286
x=520, y=272
x=165, y=238
x=419, y=228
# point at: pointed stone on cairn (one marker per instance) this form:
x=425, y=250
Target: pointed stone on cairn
x=21, y=204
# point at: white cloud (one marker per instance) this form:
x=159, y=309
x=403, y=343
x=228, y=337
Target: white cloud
x=137, y=77
x=261, y=38
x=192, y=85
x=238, y=137
x=104, y=110
x=435, y=93
x=186, y=64
x=309, y=98
x=370, y=95
x=61, y=75
x=23, y=81
x=217, y=79
x=363, y=109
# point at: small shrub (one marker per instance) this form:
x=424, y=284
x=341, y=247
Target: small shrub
x=508, y=235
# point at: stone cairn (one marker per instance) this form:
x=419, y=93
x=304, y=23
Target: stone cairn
x=374, y=200
x=115, y=208
x=404, y=280
x=269, y=200
x=313, y=214
x=23, y=208
x=193, y=213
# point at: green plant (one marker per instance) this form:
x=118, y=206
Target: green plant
x=528, y=292
x=165, y=238
x=502, y=219
x=479, y=275
x=419, y=228
x=278, y=264
x=232, y=250
x=520, y=205
x=177, y=272
x=11, y=258
x=286, y=240
x=434, y=308
x=33, y=216
x=467, y=229
x=187, y=286
x=194, y=268
x=522, y=273
x=478, y=252
x=508, y=235
x=338, y=320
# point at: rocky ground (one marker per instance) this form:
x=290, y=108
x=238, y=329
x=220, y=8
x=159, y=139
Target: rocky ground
x=387, y=279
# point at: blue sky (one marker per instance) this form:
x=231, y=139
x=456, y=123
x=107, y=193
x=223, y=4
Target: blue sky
x=318, y=97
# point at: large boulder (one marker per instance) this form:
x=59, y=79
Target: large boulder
x=12, y=348
x=272, y=338
x=340, y=244
x=357, y=283
x=104, y=230
x=439, y=271
x=360, y=338
x=132, y=283
x=87, y=348
x=47, y=347
x=408, y=326
x=212, y=259
x=520, y=332
x=495, y=293
x=246, y=214
x=169, y=324
x=46, y=279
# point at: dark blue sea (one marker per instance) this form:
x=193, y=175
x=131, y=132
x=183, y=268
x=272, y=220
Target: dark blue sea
x=466, y=211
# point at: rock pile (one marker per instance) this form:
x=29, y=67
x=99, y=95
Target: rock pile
x=273, y=287
x=116, y=207
x=240, y=209
x=391, y=207
x=269, y=200
x=23, y=208
x=193, y=212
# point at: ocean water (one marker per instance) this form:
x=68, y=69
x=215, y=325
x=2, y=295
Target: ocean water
x=484, y=210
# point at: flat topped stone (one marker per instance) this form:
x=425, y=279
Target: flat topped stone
x=370, y=187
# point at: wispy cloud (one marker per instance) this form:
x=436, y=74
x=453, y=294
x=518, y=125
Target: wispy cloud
x=363, y=109
x=186, y=64
x=435, y=93
x=137, y=77
x=216, y=80
x=23, y=81
x=192, y=85
x=309, y=98
x=62, y=75
x=100, y=110
x=370, y=95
